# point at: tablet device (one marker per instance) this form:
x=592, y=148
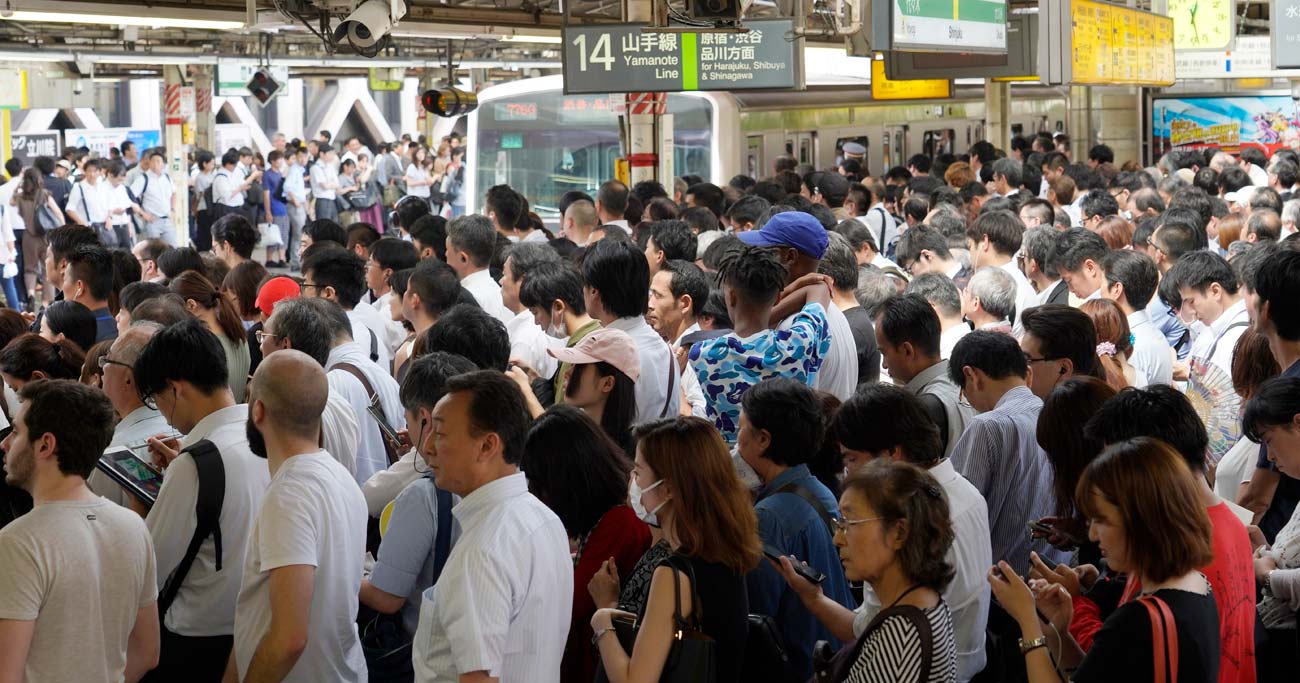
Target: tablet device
x=138, y=478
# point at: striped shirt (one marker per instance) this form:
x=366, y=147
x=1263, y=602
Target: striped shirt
x=893, y=652
x=999, y=454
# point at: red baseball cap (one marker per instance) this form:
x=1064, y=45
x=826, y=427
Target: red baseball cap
x=275, y=290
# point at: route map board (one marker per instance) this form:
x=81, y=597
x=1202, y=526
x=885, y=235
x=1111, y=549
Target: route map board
x=616, y=58
x=1096, y=43
x=971, y=26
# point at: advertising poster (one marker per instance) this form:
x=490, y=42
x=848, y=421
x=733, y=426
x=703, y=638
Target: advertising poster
x=1269, y=122
x=101, y=139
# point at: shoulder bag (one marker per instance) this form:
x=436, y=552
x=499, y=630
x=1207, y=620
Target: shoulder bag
x=836, y=668
x=207, y=510
x=1164, y=639
x=693, y=655
x=391, y=448
x=46, y=218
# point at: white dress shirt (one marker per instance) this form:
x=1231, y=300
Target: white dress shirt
x=132, y=430
x=118, y=199
x=503, y=602
x=1152, y=356
x=1218, y=331
x=394, y=332
x=1026, y=297
x=205, y=606
x=340, y=431
x=971, y=555
x=690, y=382
x=487, y=293
x=322, y=175
x=156, y=198
x=367, y=321
x=295, y=183
x=839, y=372
x=657, y=362
x=949, y=338
x=529, y=343
x=89, y=202
x=227, y=188
x=371, y=456
x=12, y=219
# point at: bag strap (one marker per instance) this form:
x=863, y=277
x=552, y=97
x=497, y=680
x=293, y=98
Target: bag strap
x=1164, y=639
x=1214, y=347
x=442, y=542
x=672, y=380
x=207, y=510
x=374, y=346
x=683, y=622
x=803, y=492
x=85, y=208
x=374, y=407
x=937, y=412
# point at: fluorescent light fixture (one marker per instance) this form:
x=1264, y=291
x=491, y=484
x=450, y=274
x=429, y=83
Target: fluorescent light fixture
x=35, y=56
x=545, y=40
x=64, y=17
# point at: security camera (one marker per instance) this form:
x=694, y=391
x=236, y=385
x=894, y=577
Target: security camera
x=369, y=23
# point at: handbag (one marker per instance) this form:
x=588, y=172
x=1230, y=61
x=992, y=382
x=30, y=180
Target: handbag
x=392, y=194
x=835, y=668
x=342, y=204
x=1164, y=639
x=693, y=655
x=270, y=234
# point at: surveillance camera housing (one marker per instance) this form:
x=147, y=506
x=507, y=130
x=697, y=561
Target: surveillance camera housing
x=369, y=23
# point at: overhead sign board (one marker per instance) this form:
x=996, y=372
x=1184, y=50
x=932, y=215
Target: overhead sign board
x=970, y=26
x=1018, y=62
x=232, y=79
x=882, y=88
x=27, y=146
x=1249, y=57
x=101, y=139
x=1285, y=15
x=621, y=58
x=1082, y=42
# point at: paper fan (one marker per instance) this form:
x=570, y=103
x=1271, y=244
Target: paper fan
x=1210, y=390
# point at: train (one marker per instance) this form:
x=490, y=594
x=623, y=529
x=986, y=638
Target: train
x=542, y=142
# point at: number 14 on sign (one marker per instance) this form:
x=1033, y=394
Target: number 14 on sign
x=600, y=54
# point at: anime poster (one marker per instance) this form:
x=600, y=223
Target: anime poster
x=1269, y=122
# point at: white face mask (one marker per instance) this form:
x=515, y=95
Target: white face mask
x=556, y=328
x=634, y=493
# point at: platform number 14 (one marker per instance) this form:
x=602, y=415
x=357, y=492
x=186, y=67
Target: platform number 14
x=600, y=52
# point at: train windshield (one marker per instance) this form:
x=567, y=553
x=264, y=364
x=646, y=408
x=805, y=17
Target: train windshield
x=546, y=144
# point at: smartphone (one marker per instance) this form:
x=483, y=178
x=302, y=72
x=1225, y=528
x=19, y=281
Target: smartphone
x=799, y=568
x=1049, y=530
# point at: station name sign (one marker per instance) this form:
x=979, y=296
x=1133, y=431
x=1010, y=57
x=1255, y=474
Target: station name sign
x=616, y=58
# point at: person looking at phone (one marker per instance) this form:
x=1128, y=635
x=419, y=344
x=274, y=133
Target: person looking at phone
x=1164, y=413
x=1146, y=513
x=885, y=421
x=77, y=594
x=182, y=372
x=685, y=481
x=781, y=425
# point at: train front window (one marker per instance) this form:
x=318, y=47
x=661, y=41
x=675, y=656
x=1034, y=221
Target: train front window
x=546, y=144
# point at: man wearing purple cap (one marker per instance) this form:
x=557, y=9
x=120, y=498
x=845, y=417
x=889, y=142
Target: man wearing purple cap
x=799, y=241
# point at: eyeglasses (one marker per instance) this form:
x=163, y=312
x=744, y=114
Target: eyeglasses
x=261, y=336
x=105, y=361
x=1031, y=359
x=842, y=525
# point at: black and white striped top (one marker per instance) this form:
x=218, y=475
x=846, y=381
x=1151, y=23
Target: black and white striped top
x=893, y=652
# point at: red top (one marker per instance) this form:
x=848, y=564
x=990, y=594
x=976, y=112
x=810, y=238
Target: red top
x=1232, y=579
x=621, y=535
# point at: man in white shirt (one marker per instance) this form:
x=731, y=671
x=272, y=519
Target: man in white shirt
x=677, y=293
x=137, y=421
x=1079, y=254
x=946, y=300
x=182, y=371
x=1040, y=262
x=297, y=609
x=993, y=239
x=1007, y=175
x=803, y=242
x=88, y=202
x=388, y=256
x=989, y=299
x=1131, y=281
x=1210, y=288
x=229, y=186
x=340, y=276
x=883, y=228
x=611, y=203
x=324, y=183
x=617, y=284
x=119, y=203
x=378, y=396
x=470, y=243
x=78, y=590
x=510, y=569
x=579, y=221
x=355, y=149
x=295, y=194
x=153, y=191
x=528, y=342
x=863, y=241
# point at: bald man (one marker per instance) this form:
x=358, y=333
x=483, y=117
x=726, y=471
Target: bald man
x=295, y=618
x=579, y=220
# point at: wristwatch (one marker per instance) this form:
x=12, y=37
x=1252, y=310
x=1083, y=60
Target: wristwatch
x=1027, y=646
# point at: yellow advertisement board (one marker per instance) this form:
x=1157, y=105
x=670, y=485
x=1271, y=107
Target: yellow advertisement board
x=884, y=89
x=1113, y=45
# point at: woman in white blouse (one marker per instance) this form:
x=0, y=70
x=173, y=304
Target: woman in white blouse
x=419, y=174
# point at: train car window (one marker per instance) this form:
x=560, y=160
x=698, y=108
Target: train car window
x=936, y=142
x=860, y=139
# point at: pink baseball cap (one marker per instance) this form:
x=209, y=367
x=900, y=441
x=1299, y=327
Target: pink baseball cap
x=275, y=290
x=603, y=345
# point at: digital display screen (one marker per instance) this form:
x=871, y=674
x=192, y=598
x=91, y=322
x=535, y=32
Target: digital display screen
x=516, y=111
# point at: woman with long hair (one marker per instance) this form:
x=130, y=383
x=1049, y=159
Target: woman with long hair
x=1149, y=520
x=30, y=197
x=581, y=475
x=204, y=302
x=419, y=174
x=683, y=480
x=1114, y=343
x=30, y=357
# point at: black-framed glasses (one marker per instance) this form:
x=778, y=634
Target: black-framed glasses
x=1044, y=359
x=105, y=361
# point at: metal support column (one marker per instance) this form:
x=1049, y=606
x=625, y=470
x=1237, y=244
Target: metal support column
x=997, y=114
x=177, y=164
x=204, y=117
x=1079, y=120
x=643, y=140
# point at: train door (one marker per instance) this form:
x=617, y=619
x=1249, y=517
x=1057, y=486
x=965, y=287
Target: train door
x=802, y=145
x=754, y=164
x=895, y=149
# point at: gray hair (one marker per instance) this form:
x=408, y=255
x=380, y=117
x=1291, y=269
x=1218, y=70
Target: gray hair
x=304, y=322
x=840, y=262
x=940, y=291
x=1040, y=247
x=874, y=287
x=132, y=342
x=705, y=239
x=996, y=291
x=1291, y=212
x=525, y=256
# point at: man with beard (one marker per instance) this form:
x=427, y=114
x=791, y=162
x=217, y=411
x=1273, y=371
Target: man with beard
x=297, y=610
x=211, y=475
x=53, y=596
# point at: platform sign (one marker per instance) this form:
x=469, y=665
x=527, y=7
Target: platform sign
x=27, y=146
x=1019, y=61
x=621, y=58
x=1094, y=43
x=947, y=26
x=232, y=79
x=883, y=88
x=101, y=139
x=1285, y=16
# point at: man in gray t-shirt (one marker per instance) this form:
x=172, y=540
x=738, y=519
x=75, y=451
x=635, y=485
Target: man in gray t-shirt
x=78, y=590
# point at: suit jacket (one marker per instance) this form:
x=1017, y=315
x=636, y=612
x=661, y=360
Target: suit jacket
x=1060, y=294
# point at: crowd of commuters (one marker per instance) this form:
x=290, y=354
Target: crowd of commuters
x=1002, y=417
